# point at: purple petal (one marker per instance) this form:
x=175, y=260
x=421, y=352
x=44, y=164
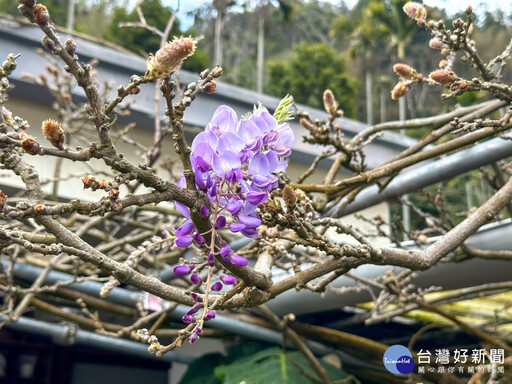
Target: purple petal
x=182, y=208
x=204, y=211
x=286, y=136
x=249, y=221
x=224, y=251
x=247, y=130
x=225, y=162
x=238, y=260
x=228, y=279
x=184, y=241
x=224, y=119
x=259, y=165
x=267, y=117
x=250, y=232
x=194, y=309
x=199, y=239
x=283, y=151
x=230, y=142
x=236, y=227
x=235, y=206
x=220, y=222
x=188, y=319
x=182, y=270
x=211, y=259
x=200, y=181
x=186, y=229
x=196, y=297
x=257, y=198
x=195, y=279
x=209, y=315
x=217, y=286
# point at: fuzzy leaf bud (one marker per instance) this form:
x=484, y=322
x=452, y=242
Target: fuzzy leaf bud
x=41, y=14
x=30, y=145
x=168, y=58
x=405, y=72
x=71, y=46
x=289, y=197
x=210, y=87
x=48, y=43
x=415, y=10
x=443, y=76
x=330, y=103
x=399, y=90
x=54, y=133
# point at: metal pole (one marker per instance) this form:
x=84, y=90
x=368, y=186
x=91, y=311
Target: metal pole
x=71, y=15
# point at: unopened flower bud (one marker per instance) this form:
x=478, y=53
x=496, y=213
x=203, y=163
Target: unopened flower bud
x=48, y=43
x=7, y=115
x=330, y=103
x=443, y=76
x=168, y=58
x=405, y=72
x=54, y=133
x=399, y=90
x=88, y=181
x=443, y=64
x=415, y=10
x=217, y=72
x=3, y=199
x=210, y=87
x=71, y=46
x=289, y=197
x=40, y=209
x=445, y=51
x=30, y=145
x=457, y=23
x=113, y=194
x=217, y=286
x=41, y=14
x=435, y=43
x=135, y=90
x=469, y=10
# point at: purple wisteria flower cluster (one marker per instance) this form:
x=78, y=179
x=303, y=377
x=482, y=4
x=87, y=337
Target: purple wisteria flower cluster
x=235, y=164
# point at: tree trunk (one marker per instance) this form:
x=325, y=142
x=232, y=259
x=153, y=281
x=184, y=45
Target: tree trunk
x=383, y=96
x=217, y=54
x=261, y=53
x=369, y=97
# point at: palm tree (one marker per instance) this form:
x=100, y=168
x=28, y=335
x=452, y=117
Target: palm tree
x=286, y=7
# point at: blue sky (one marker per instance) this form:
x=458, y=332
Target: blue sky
x=453, y=5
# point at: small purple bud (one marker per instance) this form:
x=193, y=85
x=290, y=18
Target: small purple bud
x=193, y=337
x=194, y=309
x=211, y=259
x=195, y=279
x=196, y=297
x=182, y=270
x=228, y=279
x=199, y=331
x=217, y=286
x=225, y=250
x=186, y=229
x=209, y=315
x=204, y=211
x=188, y=319
x=238, y=260
x=199, y=239
x=221, y=222
x=200, y=181
x=184, y=241
x=235, y=206
x=236, y=227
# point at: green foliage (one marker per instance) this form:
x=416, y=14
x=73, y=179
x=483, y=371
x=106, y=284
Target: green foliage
x=282, y=112
x=312, y=69
x=255, y=366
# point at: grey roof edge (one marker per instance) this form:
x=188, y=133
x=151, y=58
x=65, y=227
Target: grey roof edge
x=119, y=57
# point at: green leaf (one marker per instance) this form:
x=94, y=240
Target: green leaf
x=200, y=371
x=283, y=113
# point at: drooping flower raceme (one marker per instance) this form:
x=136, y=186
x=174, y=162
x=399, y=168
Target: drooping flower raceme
x=236, y=163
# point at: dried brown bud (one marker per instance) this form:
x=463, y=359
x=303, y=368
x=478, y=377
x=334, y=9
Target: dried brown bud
x=117, y=207
x=405, y=72
x=435, y=43
x=168, y=58
x=457, y=23
x=210, y=87
x=217, y=72
x=330, y=103
x=41, y=14
x=289, y=197
x=308, y=125
x=443, y=76
x=422, y=238
x=40, y=209
x=102, y=184
x=113, y=194
x=415, y=10
x=469, y=10
x=445, y=51
x=48, y=43
x=3, y=199
x=464, y=84
x=443, y=64
x=88, y=181
x=30, y=145
x=71, y=46
x=135, y=91
x=421, y=23
x=399, y=90
x=54, y=133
